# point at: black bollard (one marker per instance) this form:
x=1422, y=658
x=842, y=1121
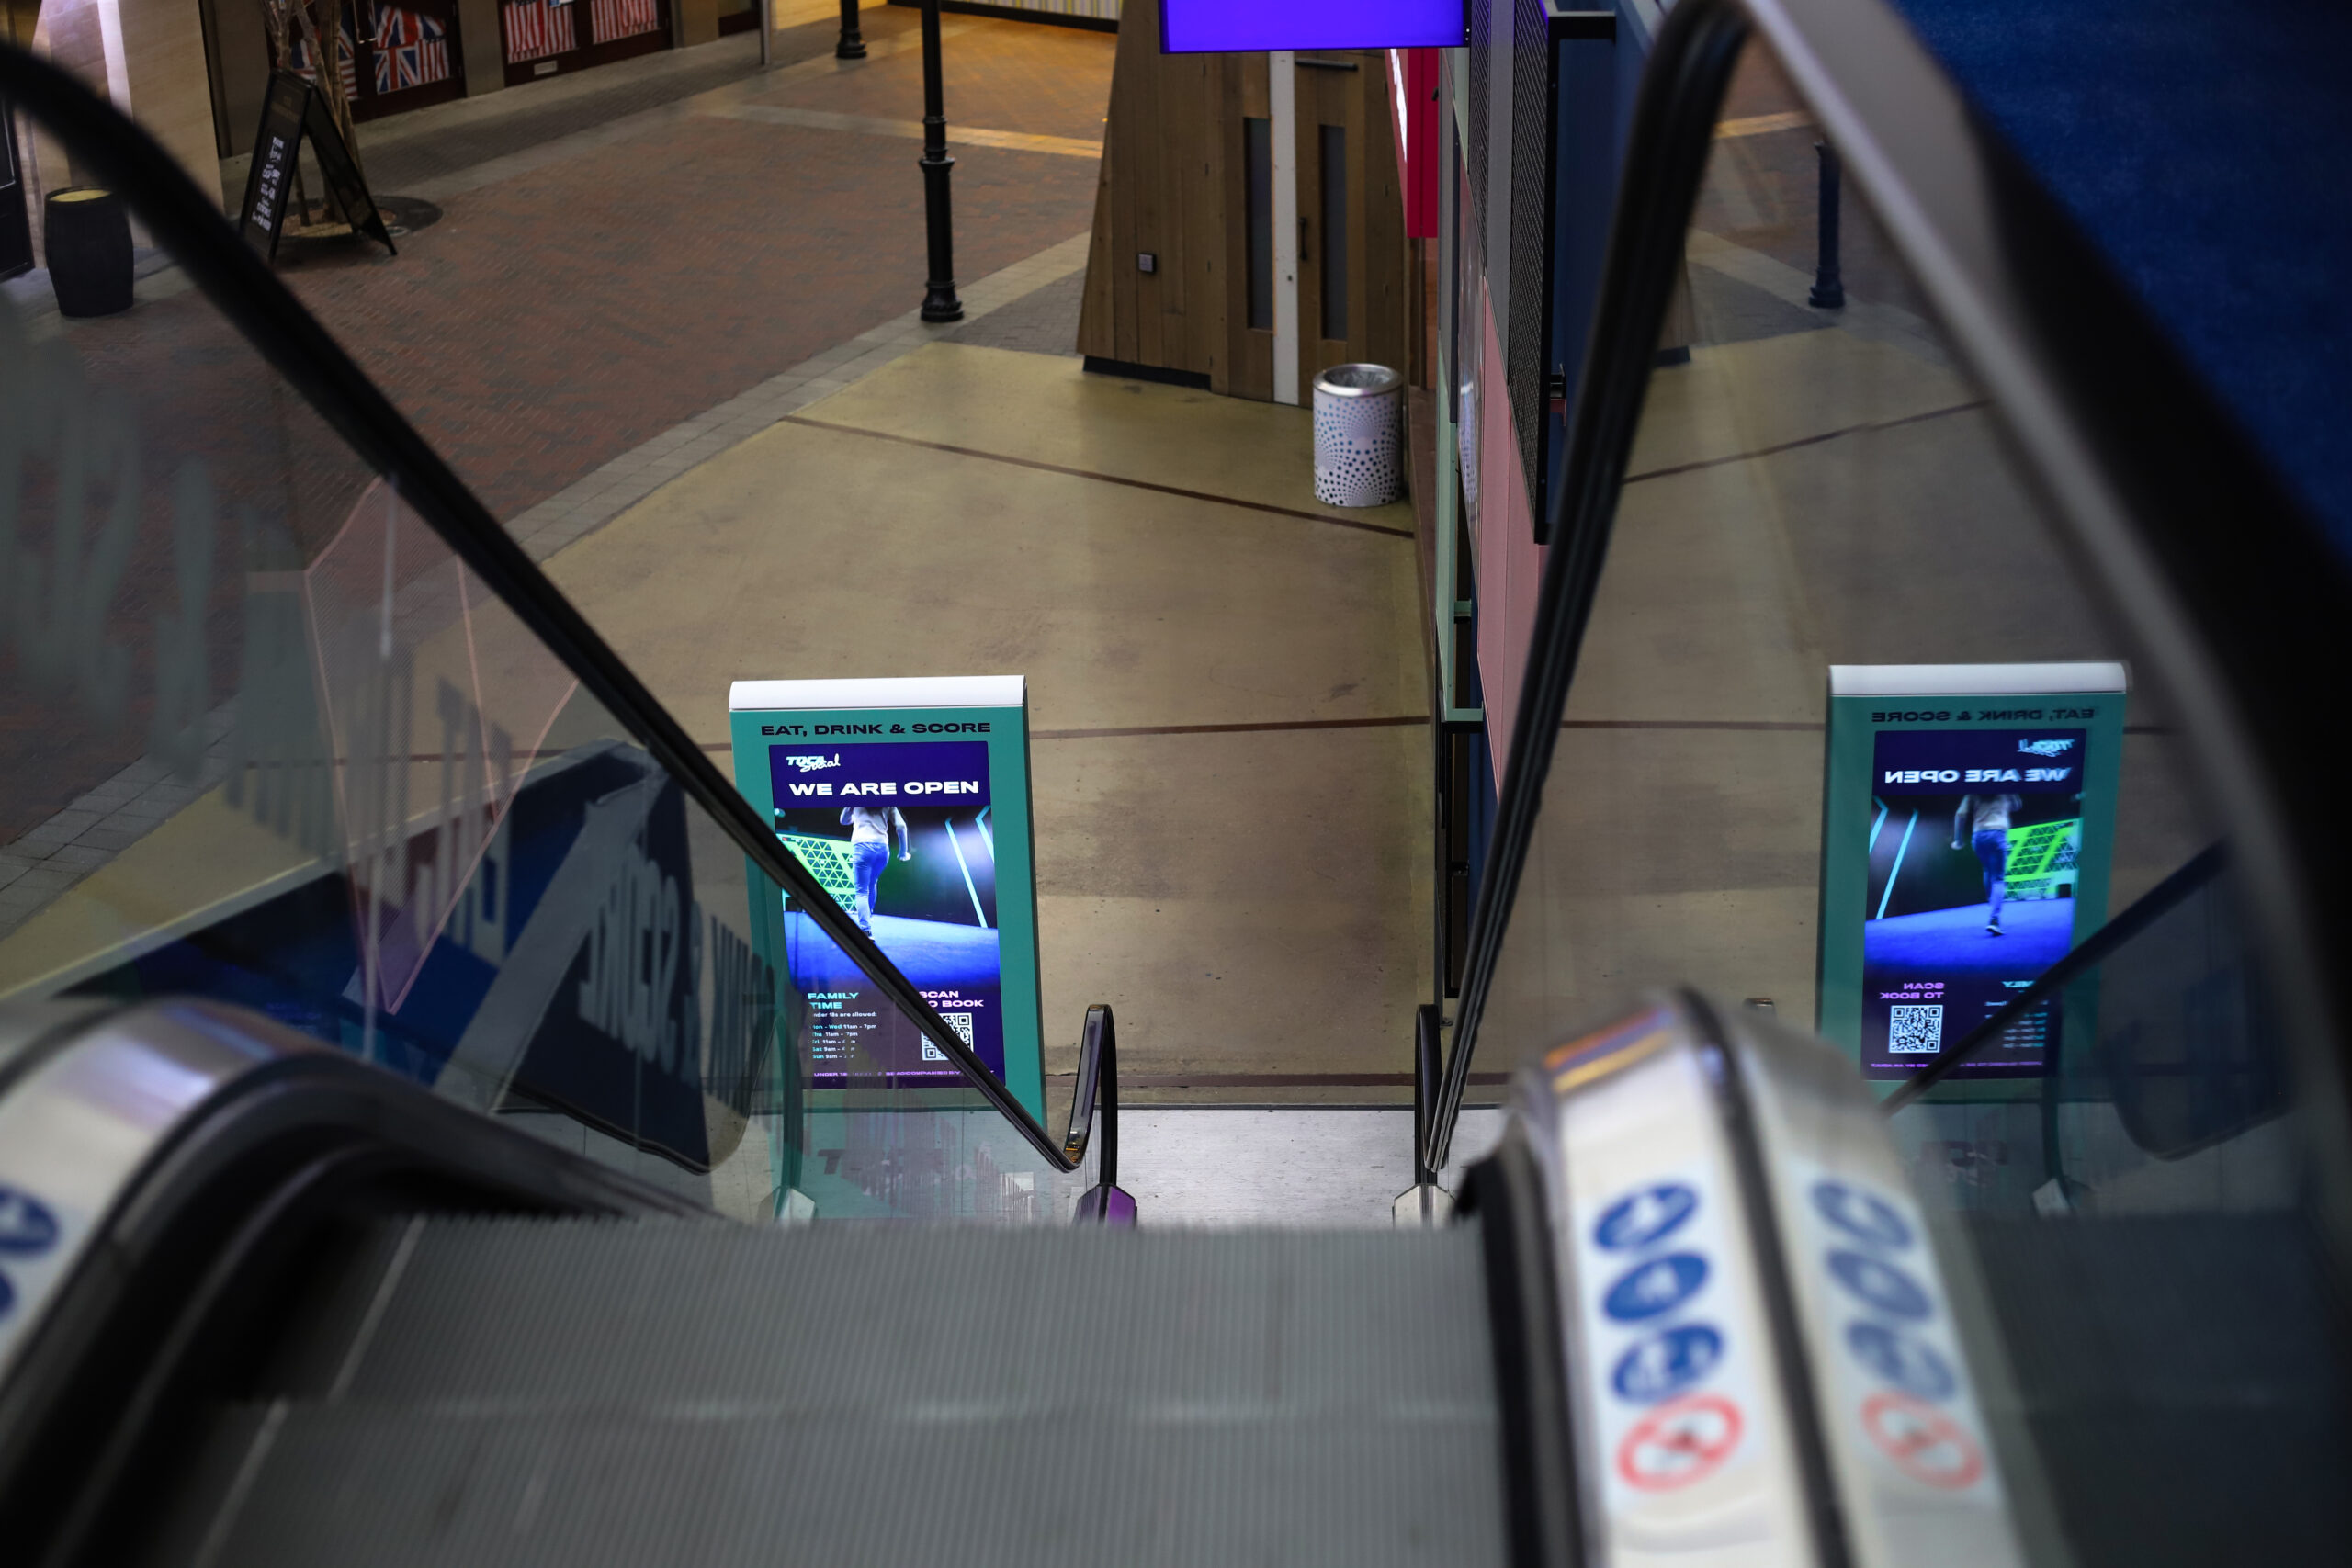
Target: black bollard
x=87, y=245
x=853, y=43
x=1828, y=282
x=939, y=301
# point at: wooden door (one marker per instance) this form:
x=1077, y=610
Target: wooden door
x=1352, y=305
x=1184, y=275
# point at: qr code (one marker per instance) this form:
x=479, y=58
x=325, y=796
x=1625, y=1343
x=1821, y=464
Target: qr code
x=961, y=1022
x=1916, y=1029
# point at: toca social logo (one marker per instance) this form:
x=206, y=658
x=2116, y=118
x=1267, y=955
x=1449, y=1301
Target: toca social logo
x=814, y=764
x=2045, y=748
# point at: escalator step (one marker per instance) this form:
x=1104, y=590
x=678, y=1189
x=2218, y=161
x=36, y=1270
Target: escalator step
x=589, y=1391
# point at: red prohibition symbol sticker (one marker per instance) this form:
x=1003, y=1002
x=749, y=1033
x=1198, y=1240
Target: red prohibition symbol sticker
x=1680, y=1444
x=1925, y=1444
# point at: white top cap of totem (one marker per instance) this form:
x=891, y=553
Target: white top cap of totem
x=909, y=692
x=1973, y=679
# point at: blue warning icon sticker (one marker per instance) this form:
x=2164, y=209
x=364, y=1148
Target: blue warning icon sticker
x=27, y=1229
x=1666, y=1363
x=1881, y=1284
x=1658, y=1286
x=1869, y=1220
x=1897, y=1358
x=1650, y=1215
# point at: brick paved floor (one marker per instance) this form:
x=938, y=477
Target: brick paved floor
x=557, y=319
x=1056, y=82
x=553, y=320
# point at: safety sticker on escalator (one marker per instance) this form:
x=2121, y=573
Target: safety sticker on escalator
x=1674, y=1384
x=27, y=1227
x=35, y=1236
x=1925, y=1444
x=1679, y=1443
x=1894, y=1364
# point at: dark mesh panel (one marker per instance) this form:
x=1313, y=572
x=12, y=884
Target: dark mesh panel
x=1528, y=328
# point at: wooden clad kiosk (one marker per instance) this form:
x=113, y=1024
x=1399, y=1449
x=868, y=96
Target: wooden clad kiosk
x=1249, y=227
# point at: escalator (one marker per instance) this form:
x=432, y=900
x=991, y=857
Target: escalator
x=419, y=1141
x=1894, y=548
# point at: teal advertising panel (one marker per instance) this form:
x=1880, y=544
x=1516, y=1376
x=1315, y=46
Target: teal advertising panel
x=1968, y=822
x=909, y=801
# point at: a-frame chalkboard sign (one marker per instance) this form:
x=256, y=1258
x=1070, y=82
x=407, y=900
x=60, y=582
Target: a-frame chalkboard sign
x=292, y=108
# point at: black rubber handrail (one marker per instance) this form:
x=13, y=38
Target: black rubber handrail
x=1098, y=1069
x=2094, y=950
x=189, y=227
x=1669, y=145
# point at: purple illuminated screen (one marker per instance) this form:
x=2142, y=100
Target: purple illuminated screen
x=1192, y=26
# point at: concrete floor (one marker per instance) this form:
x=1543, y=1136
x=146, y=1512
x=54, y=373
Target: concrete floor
x=1226, y=684
x=1282, y=1167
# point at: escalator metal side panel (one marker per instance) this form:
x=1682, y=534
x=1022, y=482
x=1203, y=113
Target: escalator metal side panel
x=1688, y=1448
x=1902, y=1425
x=75, y=1131
x=1745, y=1284
x=107, y=1129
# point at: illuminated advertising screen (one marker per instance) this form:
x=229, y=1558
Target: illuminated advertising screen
x=911, y=810
x=1967, y=838
x=1188, y=27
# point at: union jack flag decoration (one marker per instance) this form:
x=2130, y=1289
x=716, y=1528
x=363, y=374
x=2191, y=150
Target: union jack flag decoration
x=534, y=29
x=306, y=64
x=609, y=19
x=411, y=49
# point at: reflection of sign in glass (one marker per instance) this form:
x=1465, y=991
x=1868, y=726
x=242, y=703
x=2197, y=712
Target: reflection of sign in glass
x=1861, y=1216
x=1879, y=1285
x=1905, y=1362
x=1969, y=821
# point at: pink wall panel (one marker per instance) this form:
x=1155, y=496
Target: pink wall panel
x=1511, y=564
x=1412, y=87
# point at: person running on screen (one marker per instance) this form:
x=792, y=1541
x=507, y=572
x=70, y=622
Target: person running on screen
x=1984, y=819
x=869, y=853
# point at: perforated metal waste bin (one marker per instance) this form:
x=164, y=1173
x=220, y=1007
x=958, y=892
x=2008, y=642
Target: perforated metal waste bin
x=1359, y=435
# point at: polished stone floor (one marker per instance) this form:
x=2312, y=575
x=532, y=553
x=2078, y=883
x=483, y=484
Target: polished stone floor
x=1226, y=697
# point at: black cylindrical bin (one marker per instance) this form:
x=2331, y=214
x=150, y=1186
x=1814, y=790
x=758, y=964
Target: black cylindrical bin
x=89, y=252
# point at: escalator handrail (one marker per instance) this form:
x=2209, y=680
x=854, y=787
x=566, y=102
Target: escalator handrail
x=190, y=227
x=1097, y=1084
x=1689, y=67
x=2132, y=453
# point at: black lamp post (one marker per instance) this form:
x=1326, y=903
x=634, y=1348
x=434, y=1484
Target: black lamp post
x=1828, y=279
x=939, y=301
x=853, y=43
